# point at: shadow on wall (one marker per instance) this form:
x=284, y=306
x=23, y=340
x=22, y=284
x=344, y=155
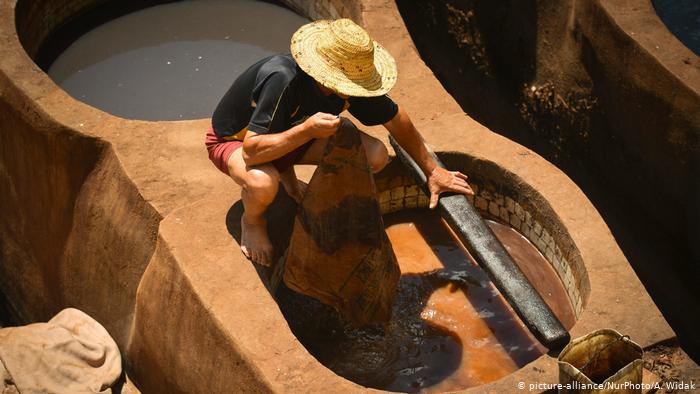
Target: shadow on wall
x=564, y=80
x=69, y=218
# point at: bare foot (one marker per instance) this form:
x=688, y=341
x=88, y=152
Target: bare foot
x=255, y=244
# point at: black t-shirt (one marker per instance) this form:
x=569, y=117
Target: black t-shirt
x=274, y=94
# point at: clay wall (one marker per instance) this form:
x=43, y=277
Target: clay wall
x=69, y=215
x=37, y=20
x=164, y=363
x=327, y=9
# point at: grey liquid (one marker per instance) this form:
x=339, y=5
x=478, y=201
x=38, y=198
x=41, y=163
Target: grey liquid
x=682, y=17
x=172, y=61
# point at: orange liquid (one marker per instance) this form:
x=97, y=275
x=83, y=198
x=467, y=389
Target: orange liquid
x=450, y=329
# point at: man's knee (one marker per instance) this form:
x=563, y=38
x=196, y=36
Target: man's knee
x=377, y=155
x=262, y=180
x=258, y=177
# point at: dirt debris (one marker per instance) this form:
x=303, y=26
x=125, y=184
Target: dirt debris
x=673, y=367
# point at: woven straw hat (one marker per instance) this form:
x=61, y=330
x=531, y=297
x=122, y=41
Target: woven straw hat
x=341, y=56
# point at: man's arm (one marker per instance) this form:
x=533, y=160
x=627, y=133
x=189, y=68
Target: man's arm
x=439, y=179
x=263, y=148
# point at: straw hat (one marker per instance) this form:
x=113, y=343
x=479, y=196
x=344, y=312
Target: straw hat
x=341, y=56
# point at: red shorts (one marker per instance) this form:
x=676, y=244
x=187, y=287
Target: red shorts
x=220, y=151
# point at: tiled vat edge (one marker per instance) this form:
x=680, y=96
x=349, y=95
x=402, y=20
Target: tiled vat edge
x=496, y=199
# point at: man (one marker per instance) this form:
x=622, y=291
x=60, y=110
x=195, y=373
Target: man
x=281, y=111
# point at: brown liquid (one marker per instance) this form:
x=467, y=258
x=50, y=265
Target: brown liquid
x=450, y=328
x=538, y=271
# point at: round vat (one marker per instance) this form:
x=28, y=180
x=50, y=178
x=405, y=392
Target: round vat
x=450, y=329
x=171, y=61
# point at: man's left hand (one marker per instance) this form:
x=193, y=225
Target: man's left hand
x=442, y=180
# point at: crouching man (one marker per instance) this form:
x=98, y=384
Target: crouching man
x=281, y=111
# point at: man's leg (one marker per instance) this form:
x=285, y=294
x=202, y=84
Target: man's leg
x=292, y=185
x=377, y=154
x=259, y=186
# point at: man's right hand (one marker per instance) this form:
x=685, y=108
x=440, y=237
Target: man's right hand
x=322, y=125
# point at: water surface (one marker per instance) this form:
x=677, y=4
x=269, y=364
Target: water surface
x=682, y=17
x=450, y=328
x=172, y=61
